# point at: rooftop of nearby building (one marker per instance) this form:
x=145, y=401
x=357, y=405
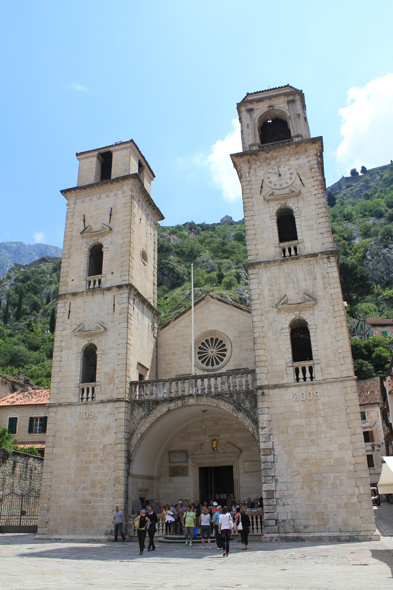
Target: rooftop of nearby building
x=285, y=87
x=369, y=391
x=39, y=445
x=31, y=397
x=379, y=322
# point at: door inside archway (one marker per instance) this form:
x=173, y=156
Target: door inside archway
x=216, y=483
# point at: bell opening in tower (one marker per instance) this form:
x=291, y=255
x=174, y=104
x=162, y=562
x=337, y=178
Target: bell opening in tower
x=274, y=130
x=106, y=166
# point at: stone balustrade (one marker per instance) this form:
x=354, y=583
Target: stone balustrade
x=255, y=516
x=87, y=392
x=94, y=282
x=208, y=384
x=304, y=371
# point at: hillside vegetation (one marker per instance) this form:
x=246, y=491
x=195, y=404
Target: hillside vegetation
x=362, y=224
x=218, y=254
x=27, y=308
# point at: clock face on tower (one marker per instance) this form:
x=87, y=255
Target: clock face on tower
x=280, y=176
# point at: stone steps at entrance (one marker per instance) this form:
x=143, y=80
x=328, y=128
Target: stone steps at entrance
x=178, y=539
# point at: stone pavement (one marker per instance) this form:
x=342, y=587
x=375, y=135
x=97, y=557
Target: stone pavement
x=27, y=563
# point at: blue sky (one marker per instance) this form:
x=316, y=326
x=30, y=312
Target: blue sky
x=79, y=75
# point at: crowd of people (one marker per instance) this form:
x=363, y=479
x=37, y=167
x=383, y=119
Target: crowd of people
x=210, y=520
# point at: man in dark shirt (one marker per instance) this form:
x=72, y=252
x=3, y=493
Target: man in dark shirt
x=152, y=516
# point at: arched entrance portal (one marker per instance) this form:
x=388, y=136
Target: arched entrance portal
x=194, y=451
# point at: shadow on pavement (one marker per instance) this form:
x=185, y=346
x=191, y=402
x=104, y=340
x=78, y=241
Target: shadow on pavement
x=385, y=556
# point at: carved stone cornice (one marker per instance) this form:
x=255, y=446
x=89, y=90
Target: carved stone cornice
x=90, y=329
x=89, y=231
x=278, y=195
x=292, y=259
x=305, y=301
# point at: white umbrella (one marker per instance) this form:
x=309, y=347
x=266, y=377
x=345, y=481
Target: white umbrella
x=385, y=483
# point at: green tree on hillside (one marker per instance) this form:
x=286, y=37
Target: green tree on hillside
x=18, y=313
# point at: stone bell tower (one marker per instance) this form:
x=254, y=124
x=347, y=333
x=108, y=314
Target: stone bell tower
x=105, y=337
x=314, y=472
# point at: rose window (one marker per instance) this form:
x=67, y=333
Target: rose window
x=213, y=351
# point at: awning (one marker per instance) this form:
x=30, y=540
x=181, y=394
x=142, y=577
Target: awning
x=385, y=484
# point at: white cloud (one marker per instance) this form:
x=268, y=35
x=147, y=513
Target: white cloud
x=79, y=88
x=367, y=125
x=38, y=237
x=221, y=168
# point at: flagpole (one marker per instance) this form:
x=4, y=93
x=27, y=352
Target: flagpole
x=192, y=319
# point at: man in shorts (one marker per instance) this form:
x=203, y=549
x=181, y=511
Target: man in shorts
x=189, y=525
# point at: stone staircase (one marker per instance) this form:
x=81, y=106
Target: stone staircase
x=179, y=539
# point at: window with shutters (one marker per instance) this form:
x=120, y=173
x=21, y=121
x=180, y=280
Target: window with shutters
x=37, y=425
x=370, y=460
x=368, y=436
x=363, y=416
x=384, y=333
x=12, y=425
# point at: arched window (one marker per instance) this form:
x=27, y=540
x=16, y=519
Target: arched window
x=300, y=341
x=286, y=225
x=95, y=260
x=89, y=364
x=274, y=130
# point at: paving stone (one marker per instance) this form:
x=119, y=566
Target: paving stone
x=27, y=563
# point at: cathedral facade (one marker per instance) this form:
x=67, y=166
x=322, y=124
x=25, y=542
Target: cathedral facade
x=271, y=410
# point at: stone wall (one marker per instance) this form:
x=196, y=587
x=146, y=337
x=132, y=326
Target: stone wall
x=20, y=472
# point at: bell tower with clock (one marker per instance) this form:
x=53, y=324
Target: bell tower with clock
x=314, y=471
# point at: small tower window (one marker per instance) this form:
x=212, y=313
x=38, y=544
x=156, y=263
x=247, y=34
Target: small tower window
x=300, y=342
x=106, y=166
x=96, y=256
x=286, y=226
x=89, y=364
x=274, y=130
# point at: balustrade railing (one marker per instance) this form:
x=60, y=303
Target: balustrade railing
x=304, y=371
x=289, y=249
x=94, y=282
x=87, y=392
x=208, y=384
x=255, y=516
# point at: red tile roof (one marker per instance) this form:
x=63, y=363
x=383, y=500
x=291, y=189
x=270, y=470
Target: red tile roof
x=369, y=391
x=40, y=445
x=32, y=397
x=269, y=89
x=379, y=322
